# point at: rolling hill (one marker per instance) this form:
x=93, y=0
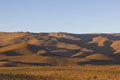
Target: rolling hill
x=25, y=48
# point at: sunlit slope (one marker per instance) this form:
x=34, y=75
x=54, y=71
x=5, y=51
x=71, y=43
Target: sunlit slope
x=99, y=56
x=20, y=48
x=116, y=46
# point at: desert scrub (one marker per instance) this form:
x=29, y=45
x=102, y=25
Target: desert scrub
x=58, y=61
x=28, y=77
x=16, y=77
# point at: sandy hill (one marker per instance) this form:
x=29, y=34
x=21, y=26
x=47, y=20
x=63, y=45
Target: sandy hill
x=25, y=48
x=20, y=48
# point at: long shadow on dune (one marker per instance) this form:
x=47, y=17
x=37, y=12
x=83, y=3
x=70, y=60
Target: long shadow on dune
x=32, y=64
x=60, y=52
x=11, y=53
x=15, y=63
x=112, y=36
x=81, y=43
x=100, y=62
x=4, y=60
x=106, y=49
x=116, y=56
x=34, y=48
x=84, y=39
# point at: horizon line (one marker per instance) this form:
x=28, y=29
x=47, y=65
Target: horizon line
x=59, y=32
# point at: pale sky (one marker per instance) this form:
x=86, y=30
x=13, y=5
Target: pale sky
x=73, y=16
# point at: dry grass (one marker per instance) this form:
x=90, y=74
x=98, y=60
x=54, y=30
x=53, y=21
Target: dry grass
x=87, y=72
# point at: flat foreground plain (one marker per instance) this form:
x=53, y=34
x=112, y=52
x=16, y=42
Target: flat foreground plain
x=86, y=72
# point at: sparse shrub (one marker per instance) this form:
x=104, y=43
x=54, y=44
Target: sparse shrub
x=57, y=61
x=95, y=77
x=28, y=77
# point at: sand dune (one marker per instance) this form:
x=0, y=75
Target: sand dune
x=33, y=48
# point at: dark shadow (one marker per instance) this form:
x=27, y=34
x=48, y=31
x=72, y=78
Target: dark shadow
x=100, y=62
x=83, y=55
x=116, y=56
x=59, y=52
x=115, y=36
x=32, y=64
x=47, y=54
x=11, y=53
x=81, y=43
x=34, y=48
x=4, y=60
x=106, y=49
x=69, y=53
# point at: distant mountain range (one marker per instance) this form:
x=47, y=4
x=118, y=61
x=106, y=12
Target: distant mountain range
x=25, y=48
